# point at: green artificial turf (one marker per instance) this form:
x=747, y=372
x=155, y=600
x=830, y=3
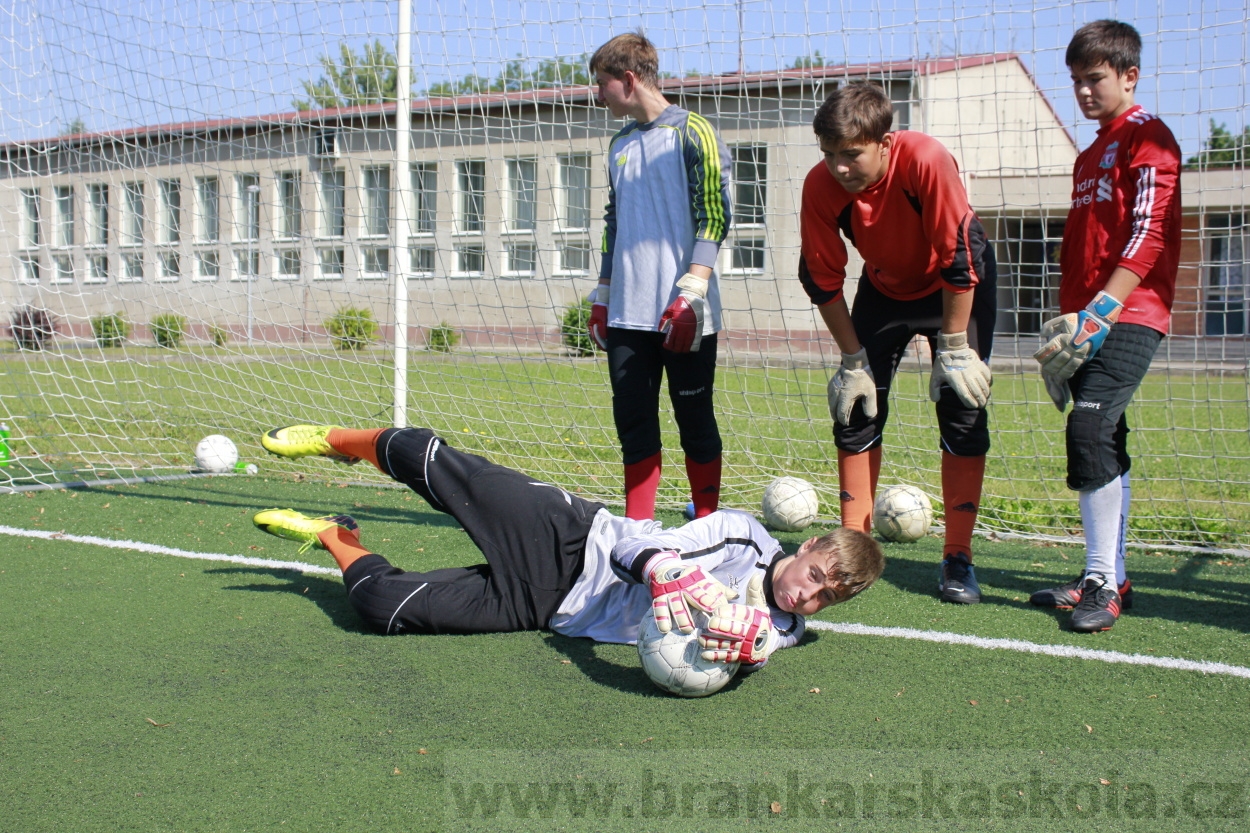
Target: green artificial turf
x=148, y=692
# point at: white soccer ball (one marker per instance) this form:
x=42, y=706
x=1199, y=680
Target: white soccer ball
x=217, y=454
x=902, y=514
x=790, y=504
x=672, y=660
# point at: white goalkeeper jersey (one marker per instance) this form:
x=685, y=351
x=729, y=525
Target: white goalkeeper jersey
x=607, y=602
x=668, y=207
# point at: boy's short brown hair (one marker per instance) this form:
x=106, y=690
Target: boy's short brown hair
x=630, y=52
x=1105, y=42
x=857, y=112
x=855, y=562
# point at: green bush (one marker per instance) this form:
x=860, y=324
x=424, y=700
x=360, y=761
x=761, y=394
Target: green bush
x=168, y=329
x=32, y=328
x=219, y=335
x=352, y=328
x=442, y=338
x=109, y=329
x=573, y=333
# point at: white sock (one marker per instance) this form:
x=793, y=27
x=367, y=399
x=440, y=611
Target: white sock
x=1125, y=492
x=1100, y=515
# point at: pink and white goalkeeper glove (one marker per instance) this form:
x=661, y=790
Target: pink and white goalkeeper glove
x=676, y=587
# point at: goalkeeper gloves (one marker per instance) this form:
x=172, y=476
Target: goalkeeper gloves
x=1058, y=391
x=853, y=381
x=1077, y=337
x=597, y=326
x=740, y=632
x=676, y=586
x=958, y=365
x=682, y=322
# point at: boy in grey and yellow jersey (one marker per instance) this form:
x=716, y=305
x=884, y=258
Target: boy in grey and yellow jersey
x=656, y=309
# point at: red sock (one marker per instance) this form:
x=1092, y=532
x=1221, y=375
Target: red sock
x=344, y=545
x=642, y=479
x=857, y=478
x=961, y=496
x=356, y=443
x=704, y=485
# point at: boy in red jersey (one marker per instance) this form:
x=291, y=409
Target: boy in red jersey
x=897, y=197
x=1121, y=246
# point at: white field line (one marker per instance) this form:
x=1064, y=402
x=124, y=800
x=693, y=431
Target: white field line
x=295, y=566
x=1064, y=651
x=850, y=628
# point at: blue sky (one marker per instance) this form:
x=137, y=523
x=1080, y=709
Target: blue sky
x=154, y=61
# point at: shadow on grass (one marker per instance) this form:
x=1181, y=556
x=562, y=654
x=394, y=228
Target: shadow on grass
x=325, y=593
x=1156, y=594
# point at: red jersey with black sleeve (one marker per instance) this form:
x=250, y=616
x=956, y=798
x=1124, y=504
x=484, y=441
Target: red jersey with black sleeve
x=914, y=227
x=1126, y=211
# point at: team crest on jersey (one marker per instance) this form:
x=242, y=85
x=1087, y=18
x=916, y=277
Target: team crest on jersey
x=1108, y=158
x=620, y=160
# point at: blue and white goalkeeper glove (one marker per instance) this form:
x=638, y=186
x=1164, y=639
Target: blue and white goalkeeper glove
x=1073, y=339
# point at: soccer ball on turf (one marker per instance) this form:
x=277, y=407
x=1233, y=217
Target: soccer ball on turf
x=902, y=514
x=216, y=453
x=672, y=660
x=790, y=504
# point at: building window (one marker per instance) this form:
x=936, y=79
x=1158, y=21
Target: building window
x=470, y=196
x=30, y=270
x=30, y=237
x=575, y=257
x=132, y=214
x=288, y=264
x=573, y=205
x=421, y=260
x=377, y=262
x=247, y=224
x=331, y=263
x=246, y=264
x=208, y=205
x=333, y=203
x=747, y=256
x=65, y=215
x=170, y=266
x=424, y=197
x=63, y=269
x=97, y=269
x=750, y=175
x=522, y=197
x=208, y=265
x=377, y=183
x=520, y=258
x=1227, y=298
x=132, y=268
x=98, y=198
x=289, y=204
x=470, y=260
x=170, y=210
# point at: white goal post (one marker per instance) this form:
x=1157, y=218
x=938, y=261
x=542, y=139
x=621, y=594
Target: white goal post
x=228, y=217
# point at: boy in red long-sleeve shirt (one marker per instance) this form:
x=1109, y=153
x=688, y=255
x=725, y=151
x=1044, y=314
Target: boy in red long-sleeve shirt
x=1121, y=247
x=897, y=197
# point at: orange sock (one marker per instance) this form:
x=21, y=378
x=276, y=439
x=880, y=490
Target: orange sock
x=857, y=479
x=961, y=496
x=642, y=479
x=356, y=443
x=344, y=545
x=704, y=485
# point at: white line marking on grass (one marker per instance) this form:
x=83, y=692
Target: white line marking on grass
x=1064, y=651
x=295, y=566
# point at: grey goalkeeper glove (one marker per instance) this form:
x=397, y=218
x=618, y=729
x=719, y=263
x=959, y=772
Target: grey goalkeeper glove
x=852, y=382
x=1057, y=389
x=958, y=365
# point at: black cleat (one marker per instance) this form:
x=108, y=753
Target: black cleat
x=1068, y=596
x=1098, y=608
x=957, y=582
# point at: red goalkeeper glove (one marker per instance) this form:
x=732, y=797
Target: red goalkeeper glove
x=682, y=322
x=675, y=587
x=740, y=633
x=597, y=326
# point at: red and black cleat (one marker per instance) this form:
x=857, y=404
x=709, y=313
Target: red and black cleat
x=1098, y=608
x=1068, y=596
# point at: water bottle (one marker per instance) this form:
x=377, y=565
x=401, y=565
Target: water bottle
x=6, y=455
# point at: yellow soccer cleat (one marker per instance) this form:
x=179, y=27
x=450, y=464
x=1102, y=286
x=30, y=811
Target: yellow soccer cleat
x=295, y=441
x=296, y=526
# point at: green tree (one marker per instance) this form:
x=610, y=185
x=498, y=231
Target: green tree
x=518, y=74
x=1223, y=149
x=73, y=127
x=371, y=77
x=813, y=61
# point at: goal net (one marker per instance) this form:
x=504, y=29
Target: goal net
x=209, y=210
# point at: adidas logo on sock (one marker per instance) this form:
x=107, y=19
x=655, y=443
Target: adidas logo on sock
x=846, y=497
x=966, y=507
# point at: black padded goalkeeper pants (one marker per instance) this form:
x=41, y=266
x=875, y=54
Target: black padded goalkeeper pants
x=532, y=534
